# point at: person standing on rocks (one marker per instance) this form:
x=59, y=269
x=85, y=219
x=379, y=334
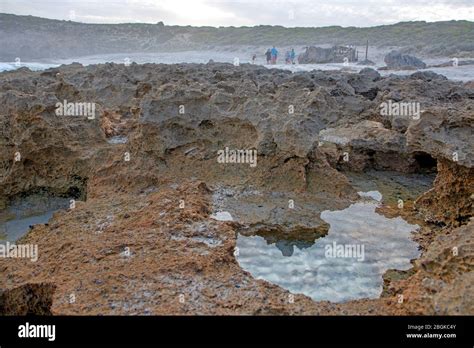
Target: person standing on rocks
x=287, y=57
x=269, y=56
x=274, y=55
x=292, y=56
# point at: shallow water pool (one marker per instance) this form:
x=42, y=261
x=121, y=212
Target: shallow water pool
x=15, y=221
x=347, y=264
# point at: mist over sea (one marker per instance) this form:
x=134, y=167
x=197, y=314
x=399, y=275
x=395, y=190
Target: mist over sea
x=460, y=73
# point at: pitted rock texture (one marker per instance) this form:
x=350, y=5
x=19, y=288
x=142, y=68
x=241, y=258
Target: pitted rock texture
x=134, y=189
x=452, y=197
x=27, y=299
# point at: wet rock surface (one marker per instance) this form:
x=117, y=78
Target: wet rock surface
x=397, y=60
x=141, y=233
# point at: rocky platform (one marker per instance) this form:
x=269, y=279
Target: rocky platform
x=140, y=239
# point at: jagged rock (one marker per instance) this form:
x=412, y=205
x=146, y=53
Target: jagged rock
x=374, y=75
x=451, y=199
x=246, y=106
x=368, y=144
x=444, y=133
x=319, y=55
x=396, y=60
x=136, y=202
x=365, y=62
x=427, y=76
x=446, y=262
x=364, y=83
x=27, y=299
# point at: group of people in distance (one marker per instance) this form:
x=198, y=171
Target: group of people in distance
x=272, y=56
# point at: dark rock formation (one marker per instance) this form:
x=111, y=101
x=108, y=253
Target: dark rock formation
x=27, y=299
x=370, y=73
x=396, y=60
x=365, y=62
x=336, y=54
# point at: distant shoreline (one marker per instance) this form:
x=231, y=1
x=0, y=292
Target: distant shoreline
x=42, y=38
x=462, y=73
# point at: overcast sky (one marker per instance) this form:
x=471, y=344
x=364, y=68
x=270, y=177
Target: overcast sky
x=290, y=13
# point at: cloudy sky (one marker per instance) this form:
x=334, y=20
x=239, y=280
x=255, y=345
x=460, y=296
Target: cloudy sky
x=290, y=13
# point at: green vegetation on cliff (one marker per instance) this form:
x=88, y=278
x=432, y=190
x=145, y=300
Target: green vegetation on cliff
x=34, y=37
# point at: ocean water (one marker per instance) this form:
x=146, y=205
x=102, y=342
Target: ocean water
x=460, y=73
x=373, y=242
x=8, y=66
